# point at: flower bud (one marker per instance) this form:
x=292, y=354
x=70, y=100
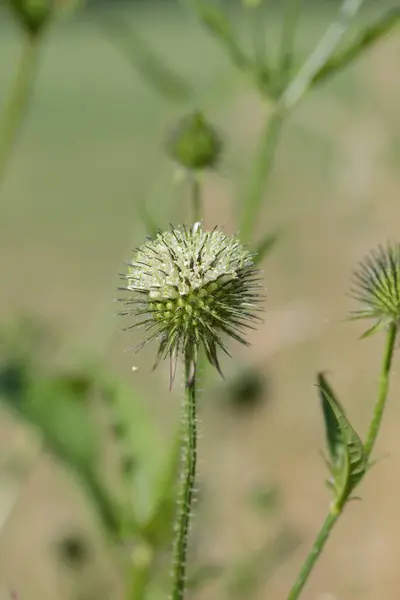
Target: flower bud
x=33, y=14
x=194, y=143
x=377, y=287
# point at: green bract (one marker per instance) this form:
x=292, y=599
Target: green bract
x=33, y=14
x=377, y=286
x=192, y=286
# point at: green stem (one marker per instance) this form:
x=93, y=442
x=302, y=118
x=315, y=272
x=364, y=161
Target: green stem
x=368, y=447
x=141, y=572
x=18, y=101
x=196, y=197
x=290, y=20
x=383, y=390
x=186, y=492
x=261, y=171
x=313, y=556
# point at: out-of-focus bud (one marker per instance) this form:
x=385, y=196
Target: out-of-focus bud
x=33, y=14
x=194, y=143
x=247, y=390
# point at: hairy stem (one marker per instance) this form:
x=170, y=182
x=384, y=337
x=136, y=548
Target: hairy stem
x=186, y=492
x=18, y=101
x=372, y=435
x=313, y=556
x=196, y=197
x=383, y=390
x=262, y=169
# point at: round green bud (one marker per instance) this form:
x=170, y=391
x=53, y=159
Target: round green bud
x=194, y=143
x=33, y=14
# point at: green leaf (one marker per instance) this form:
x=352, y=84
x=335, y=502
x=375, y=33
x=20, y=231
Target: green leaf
x=351, y=461
x=265, y=246
x=217, y=23
x=370, y=36
x=333, y=432
x=145, y=60
x=159, y=527
x=379, y=326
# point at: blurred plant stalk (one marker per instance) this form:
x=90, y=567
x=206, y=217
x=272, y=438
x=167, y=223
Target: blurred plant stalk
x=19, y=99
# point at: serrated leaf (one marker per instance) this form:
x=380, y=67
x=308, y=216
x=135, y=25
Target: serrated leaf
x=370, y=36
x=265, y=246
x=350, y=469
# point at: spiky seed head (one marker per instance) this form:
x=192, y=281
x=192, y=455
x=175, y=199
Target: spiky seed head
x=376, y=284
x=190, y=288
x=194, y=143
x=33, y=14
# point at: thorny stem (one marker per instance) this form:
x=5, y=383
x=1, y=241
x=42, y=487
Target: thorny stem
x=18, y=101
x=186, y=492
x=196, y=196
x=383, y=390
x=372, y=435
x=262, y=169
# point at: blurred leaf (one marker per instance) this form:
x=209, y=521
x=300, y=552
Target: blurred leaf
x=217, y=23
x=142, y=57
x=143, y=441
x=265, y=246
x=370, y=36
x=350, y=462
x=159, y=527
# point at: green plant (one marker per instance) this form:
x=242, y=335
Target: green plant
x=191, y=288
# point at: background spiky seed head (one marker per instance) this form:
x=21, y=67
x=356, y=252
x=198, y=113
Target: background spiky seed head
x=194, y=143
x=190, y=287
x=376, y=284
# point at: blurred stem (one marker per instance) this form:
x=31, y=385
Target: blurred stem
x=140, y=572
x=322, y=53
x=188, y=476
x=368, y=447
x=290, y=21
x=196, y=196
x=313, y=556
x=260, y=173
x=383, y=390
x=18, y=101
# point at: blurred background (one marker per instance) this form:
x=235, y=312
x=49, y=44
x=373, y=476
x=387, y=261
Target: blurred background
x=90, y=162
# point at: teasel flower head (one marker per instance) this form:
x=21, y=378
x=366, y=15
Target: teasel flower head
x=194, y=143
x=376, y=284
x=191, y=288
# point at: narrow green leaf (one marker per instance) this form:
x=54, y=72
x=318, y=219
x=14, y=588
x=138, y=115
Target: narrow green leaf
x=350, y=470
x=265, y=246
x=379, y=326
x=370, y=36
x=333, y=431
x=217, y=23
